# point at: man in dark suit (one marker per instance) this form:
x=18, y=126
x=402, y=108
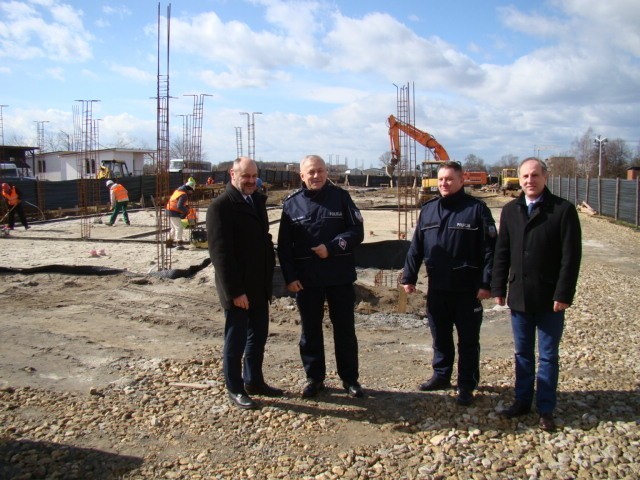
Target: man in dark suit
x=537, y=255
x=243, y=257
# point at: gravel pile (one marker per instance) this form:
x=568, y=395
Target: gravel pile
x=169, y=419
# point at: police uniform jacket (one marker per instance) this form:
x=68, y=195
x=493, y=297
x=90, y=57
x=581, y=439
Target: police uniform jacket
x=309, y=218
x=240, y=247
x=455, y=236
x=537, y=258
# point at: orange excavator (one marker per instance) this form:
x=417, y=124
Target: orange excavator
x=429, y=169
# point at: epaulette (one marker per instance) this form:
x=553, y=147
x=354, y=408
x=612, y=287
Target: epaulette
x=293, y=194
x=437, y=197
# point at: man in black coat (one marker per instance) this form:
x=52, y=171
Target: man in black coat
x=537, y=256
x=243, y=257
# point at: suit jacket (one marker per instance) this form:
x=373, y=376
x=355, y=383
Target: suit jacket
x=240, y=247
x=537, y=259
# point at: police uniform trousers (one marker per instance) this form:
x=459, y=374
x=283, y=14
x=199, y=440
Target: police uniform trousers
x=245, y=336
x=464, y=311
x=341, y=301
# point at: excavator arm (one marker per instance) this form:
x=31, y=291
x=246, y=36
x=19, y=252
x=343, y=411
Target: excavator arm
x=423, y=138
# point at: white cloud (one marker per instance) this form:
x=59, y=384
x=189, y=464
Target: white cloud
x=57, y=73
x=121, y=11
x=133, y=73
x=27, y=34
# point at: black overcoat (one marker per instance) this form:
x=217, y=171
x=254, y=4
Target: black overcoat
x=240, y=247
x=537, y=258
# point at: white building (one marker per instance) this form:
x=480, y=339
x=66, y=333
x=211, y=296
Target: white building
x=57, y=166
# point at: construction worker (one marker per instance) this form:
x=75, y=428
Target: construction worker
x=119, y=198
x=13, y=196
x=177, y=209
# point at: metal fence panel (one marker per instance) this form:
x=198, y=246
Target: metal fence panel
x=611, y=197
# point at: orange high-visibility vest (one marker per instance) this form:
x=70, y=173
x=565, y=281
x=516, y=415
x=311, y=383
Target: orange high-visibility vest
x=12, y=197
x=172, y=204
x=120, y=193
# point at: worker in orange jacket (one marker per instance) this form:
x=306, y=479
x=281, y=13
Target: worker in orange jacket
x=177, y=209
x=119, y=198
x=13, y=196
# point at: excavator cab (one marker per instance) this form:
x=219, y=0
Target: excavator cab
x=113, y=169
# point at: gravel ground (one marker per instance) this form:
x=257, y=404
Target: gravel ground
x=169, y=418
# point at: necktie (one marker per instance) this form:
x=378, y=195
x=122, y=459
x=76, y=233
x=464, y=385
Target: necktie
x=249, y=200
x=530, y=208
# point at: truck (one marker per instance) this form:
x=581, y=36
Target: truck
x=9, y=171
x=475, y=179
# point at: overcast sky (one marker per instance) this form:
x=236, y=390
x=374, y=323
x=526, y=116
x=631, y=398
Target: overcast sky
x=490, y=77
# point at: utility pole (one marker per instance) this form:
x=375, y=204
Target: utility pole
x=599, y=141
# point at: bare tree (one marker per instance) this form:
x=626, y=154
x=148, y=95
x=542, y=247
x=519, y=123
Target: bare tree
x=508, y=161
x=58, y=142
x=385, y=159
x=565, y=166
x=177, y=148
x=636, y=158
x=617, y=158
x=586, y=156
x=474, y=163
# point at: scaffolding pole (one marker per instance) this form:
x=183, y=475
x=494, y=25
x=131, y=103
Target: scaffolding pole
x=163, y=254
x=85, y=161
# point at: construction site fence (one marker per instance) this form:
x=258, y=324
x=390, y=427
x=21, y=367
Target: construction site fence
x=64, y=195
x=291, y=179
x=611, y=197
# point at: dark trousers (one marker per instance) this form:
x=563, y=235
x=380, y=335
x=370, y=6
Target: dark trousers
x=341, y=301
x=464, y=311
x=549, y=327
x=120, y=207
x=12, y=215
x=245, y=336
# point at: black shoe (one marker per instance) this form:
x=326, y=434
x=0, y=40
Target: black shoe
x=312, y=389
x=353, y=389
x=27, y=227
x=242, y=400
x=547, y=423
x=264, y=390
x=464, y=398
x=435, y=383
x=516, y=409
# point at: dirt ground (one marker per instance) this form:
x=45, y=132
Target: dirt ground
x=80, y=333
x=66, y=331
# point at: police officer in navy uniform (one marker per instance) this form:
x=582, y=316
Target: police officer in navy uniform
x=319, y=228
x=455, y=237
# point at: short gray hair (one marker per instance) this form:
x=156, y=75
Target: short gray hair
x=310, y=158
x=542, y=164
